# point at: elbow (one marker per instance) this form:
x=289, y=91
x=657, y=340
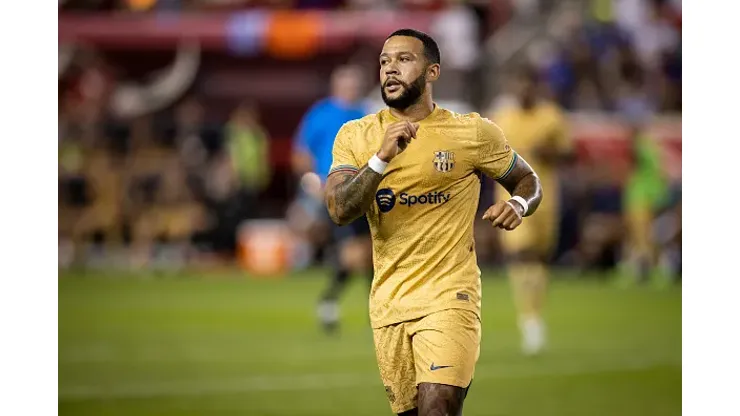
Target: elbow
x=339, y=218
x=336, y=214
x=341, y=212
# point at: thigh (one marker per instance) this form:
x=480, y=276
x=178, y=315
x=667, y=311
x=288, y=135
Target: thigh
x=639, y=223
x=396, y=364
x=446, y=347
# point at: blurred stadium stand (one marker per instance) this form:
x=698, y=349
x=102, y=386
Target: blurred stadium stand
x=176, y=118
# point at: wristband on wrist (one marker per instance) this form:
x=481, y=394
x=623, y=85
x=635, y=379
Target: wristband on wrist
x=376, y=164
x=521, y=201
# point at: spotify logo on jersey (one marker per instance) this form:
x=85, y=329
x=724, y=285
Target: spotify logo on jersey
x=385, y=199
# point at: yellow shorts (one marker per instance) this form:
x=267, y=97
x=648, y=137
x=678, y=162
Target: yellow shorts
x=536, y=233
x=639, y=222
x=442, y=348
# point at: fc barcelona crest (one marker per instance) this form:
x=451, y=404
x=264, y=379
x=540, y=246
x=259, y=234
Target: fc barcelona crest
x=444, y=161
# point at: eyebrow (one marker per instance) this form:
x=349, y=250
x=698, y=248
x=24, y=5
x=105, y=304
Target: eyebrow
x=397, y=53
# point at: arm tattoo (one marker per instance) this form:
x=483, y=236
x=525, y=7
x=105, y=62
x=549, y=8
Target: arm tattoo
x=524, y=182
x=349, y=196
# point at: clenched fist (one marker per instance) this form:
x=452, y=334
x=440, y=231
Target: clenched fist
x=397, y=137
x=505, y=214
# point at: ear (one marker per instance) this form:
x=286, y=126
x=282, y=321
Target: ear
x=433, y=72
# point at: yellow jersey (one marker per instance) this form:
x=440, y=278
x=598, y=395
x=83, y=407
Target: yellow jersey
x=528, y=130
x=422, y=219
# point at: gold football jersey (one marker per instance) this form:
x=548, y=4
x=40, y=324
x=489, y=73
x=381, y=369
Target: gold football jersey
x=422, y=219
x=542, y=126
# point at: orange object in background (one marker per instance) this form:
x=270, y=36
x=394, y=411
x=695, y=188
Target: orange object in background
x=140, y=5
x=264, y=248
x=293, y=35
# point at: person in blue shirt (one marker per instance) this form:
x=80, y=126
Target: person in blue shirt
x=312, y=157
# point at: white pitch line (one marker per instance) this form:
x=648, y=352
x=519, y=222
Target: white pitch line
x=308, y=382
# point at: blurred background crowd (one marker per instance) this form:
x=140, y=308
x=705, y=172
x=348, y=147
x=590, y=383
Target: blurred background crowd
x=178, y=118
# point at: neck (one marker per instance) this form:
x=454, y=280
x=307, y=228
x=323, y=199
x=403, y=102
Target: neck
x=415, y=112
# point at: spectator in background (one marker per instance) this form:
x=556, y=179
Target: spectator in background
x=160, y=207
x=248, y=150
x=457, y=30
x=90, y=182
x=230, y=178
x=633, y=101
x=312, y=156
x=73, y=187
x=187, y=131
x=601, y=233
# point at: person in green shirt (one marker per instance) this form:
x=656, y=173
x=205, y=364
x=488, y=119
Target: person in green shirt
x=248, y=149
x=646, y=192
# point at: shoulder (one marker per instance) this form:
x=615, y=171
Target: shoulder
x=484, y=127
x=450, y=117
x=472, y=119
x=354, y=129
x=478, y=129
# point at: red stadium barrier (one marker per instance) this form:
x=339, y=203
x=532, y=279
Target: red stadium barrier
x=247, y=32
x=604, y=139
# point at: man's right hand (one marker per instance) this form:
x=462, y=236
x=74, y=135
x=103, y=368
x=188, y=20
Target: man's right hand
x=397, y=137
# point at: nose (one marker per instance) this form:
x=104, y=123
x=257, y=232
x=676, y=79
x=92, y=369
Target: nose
x=391, y=69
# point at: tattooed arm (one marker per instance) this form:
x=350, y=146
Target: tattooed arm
x=499, y=161
x=349, y=195
x=521, y=181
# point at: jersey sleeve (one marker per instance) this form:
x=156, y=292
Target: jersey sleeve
x=343, y=154
x=495, y=157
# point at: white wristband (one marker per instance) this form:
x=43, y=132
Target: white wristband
x=521, y=201
x=376, y=164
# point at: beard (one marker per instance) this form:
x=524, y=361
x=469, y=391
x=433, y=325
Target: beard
x=410, y=93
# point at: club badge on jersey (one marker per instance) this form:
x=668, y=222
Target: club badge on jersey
x=444, y=161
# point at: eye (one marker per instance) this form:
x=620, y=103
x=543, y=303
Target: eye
x=405, y=59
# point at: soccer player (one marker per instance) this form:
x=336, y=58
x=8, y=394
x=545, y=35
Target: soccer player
x=537, y=127
x=645, y=193
x=414, y=170
x=313, y=153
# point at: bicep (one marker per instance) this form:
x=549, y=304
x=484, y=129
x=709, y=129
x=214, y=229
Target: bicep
x=333, y=182
x=337, y=178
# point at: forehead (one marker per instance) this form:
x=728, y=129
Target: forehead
x=398, y=44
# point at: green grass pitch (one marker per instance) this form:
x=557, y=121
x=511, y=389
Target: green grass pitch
x=224, y=344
